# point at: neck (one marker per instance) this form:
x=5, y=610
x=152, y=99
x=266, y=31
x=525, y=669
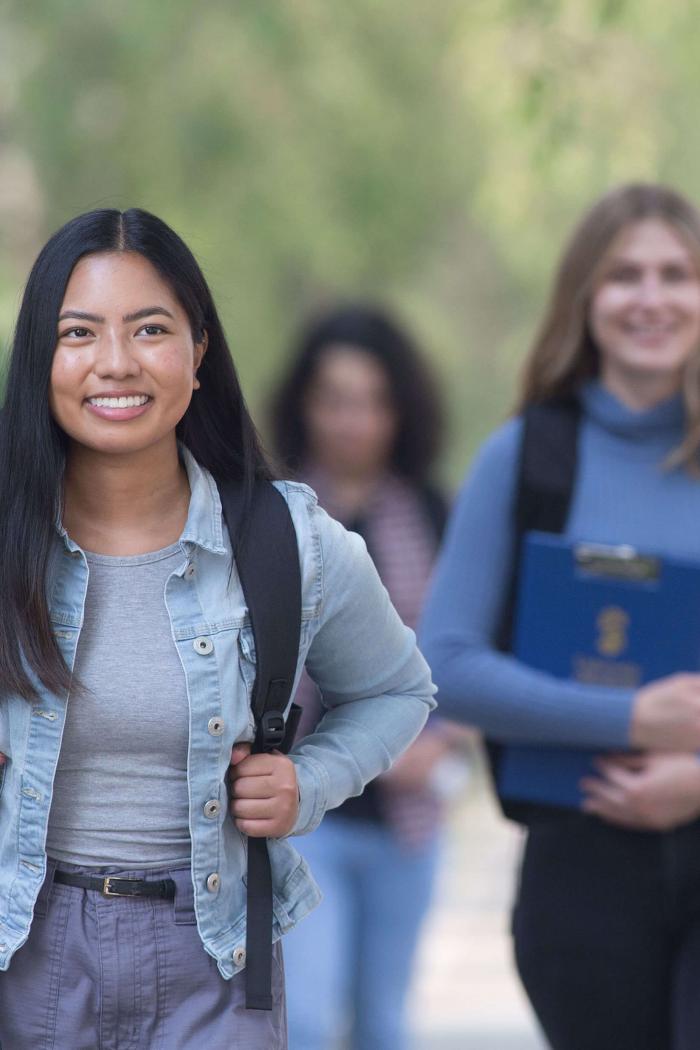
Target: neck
x=640, y=392
x=124, y=504
x=350, y=493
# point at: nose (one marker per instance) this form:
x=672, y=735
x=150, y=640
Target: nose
x=651, y=290
x=115, y=358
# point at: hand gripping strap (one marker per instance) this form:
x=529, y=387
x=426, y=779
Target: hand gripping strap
x=267, y=558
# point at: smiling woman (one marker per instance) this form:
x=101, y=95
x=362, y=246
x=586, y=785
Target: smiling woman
x=645, y=313
x=117, y=365
x=606, y=922
x=108, y=355
x=125, y=656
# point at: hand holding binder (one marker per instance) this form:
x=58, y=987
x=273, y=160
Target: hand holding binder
x=666, y=714
x=656, y=791
x=613, y=617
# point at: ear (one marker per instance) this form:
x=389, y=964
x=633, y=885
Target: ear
x=200, y=350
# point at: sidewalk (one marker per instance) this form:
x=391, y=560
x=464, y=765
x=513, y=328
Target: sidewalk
x=466, y=995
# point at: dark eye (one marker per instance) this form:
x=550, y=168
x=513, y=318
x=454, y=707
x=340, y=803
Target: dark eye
x=624, y=275
x=152, y=329
x=675, y=274
x=77, y=333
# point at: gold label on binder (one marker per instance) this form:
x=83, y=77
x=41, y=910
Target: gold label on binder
x=612, y=623
x=592, y=670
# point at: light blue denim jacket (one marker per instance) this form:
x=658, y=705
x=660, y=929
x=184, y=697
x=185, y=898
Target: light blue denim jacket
x=374, y=681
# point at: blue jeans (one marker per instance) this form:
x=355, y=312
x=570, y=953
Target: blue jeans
x=349, y=964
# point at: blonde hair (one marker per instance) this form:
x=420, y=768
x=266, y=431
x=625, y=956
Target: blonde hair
x=563, y=354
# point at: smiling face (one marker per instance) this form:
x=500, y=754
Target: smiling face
x=645, y=310
x=125, y=362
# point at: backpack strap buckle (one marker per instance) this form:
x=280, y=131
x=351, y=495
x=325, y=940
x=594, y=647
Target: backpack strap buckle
x=271, y=730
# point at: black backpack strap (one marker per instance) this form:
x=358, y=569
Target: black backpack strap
x=545, y=482
x=266, y=553
x=549, y=458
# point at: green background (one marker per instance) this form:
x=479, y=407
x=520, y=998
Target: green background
x=432, y=155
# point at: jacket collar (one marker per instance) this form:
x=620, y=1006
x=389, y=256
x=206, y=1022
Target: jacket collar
x=204, y=525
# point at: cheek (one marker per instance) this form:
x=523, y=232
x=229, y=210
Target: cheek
x=690, y=304
x=378, y=435
x=605, y=306
x=66, y=371
x=321, y=423
x=173, y=367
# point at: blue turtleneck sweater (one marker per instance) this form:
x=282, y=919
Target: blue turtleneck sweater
x=624, y=494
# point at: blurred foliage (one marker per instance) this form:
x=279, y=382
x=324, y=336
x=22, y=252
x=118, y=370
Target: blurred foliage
x=430, y=155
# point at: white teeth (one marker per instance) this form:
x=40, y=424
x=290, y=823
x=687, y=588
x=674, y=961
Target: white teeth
x=650, y=329
x=119, y=402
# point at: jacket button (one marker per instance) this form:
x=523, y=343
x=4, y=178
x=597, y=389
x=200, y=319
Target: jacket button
x=215, y=726
x=214, y=882
x=238, y=956
x=212, y=808
x=203, y=646
x=190, y=571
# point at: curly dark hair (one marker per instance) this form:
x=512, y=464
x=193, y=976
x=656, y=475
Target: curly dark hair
x=412, y=385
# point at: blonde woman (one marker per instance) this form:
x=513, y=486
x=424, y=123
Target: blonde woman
x=607, y=919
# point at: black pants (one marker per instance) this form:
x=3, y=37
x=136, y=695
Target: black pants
x=607, y=935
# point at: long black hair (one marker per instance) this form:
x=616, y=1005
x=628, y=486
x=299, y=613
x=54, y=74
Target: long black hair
x=216, y=427
x=413, y=390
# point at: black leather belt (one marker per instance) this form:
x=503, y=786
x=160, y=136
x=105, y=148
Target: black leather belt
x=109, y=886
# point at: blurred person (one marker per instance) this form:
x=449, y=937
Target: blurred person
x=127, y=661
x=607, y=918
x=358, y=418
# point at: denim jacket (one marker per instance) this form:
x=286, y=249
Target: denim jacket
x=374, y=682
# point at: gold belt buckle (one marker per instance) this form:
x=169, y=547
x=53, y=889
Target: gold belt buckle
x=107, y=890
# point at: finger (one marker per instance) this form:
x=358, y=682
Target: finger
x=623, y=779
x=255, y=766
x=606, y=800
x=601, y=791
x=589, y=785
x=624, y=760
x=239, y=752
x=253, y=787
x=254, y=808
x=2, y=759
x=259, y=829
x=611, y=773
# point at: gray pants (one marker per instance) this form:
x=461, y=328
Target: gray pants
x=103, y=973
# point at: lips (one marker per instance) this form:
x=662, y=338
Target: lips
x=119, y=406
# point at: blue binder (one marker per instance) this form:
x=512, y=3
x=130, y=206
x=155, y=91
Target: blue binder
x=601, y=615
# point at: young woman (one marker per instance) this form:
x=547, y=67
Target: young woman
x=607, y=920
x=126, y=661
x=358, y=417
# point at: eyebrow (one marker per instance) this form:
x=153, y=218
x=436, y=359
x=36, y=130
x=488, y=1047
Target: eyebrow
x=138, y=315
x=622, y=260
x=147, y=311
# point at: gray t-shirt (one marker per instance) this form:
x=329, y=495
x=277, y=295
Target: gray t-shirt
x=120, y=796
